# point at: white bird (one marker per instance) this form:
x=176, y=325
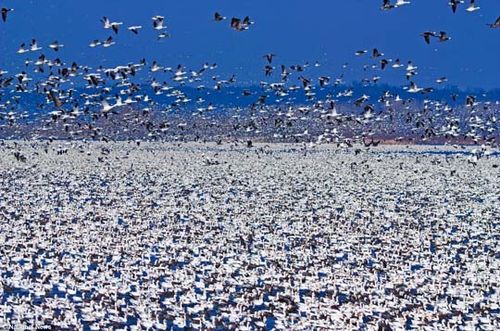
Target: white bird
x=95, y=43
x=111, y=25
x=56, y=46
x=106, y=107
x=163, y=35
x=472, y=6
x=158, y=22
x=414, y=89
x=34, y=46
x=108, y=42
x=22, y=49
x=400, y=3
x=441, y=80
x=135, y=28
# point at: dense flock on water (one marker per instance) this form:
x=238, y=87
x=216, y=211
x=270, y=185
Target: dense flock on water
x=131, y=200
x=112, y=235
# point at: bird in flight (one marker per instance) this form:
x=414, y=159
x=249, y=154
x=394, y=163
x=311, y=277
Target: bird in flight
x=496, y=24
x=158, y=22
x=427, y=36
x=387, y=5
x=443, y=36
x=376, y=53
x=56, y=46
x=34, y=46
x=454, y=4
x=269, y=57
x=111, y=25
x=108, y=42
x=472, y=6
x=239, y=25
x=135, y=28
x=95, y=43
x=5, y=11
x=218, y=17
x=400, y=3
x=441, y=80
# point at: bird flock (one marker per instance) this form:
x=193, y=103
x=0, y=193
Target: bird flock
x=172, y=236
x=137, y=202
x=114, y=91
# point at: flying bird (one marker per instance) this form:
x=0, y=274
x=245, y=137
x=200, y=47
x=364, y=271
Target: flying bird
x=5, y=11
x=163, y=35
x=34, y=46
x=496, y=24
x=111, y=25
x=95, y=43
x=383, y=63
x=158, y=22
x=387, y=5
x=239, y=25
x=397, y=64
x=400, y=3
x=443, y=36
x=135, y=28
x=268, y=70
x=218, y=17
x=414, y=88
x=427, y=36
x=269, y=57
x=441, y=80
x=22, y=49
x=323, y=81
x=470, y=100
x=472, y=6
x=108, y=42
x=56, y=46
x=376, y=53
x=454, y=4
x=358, y=102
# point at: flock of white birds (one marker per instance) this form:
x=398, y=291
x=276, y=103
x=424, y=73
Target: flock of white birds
x=159, y=236
x=102, y=234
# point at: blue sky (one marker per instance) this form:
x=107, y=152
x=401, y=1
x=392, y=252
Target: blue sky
x=297, y=31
